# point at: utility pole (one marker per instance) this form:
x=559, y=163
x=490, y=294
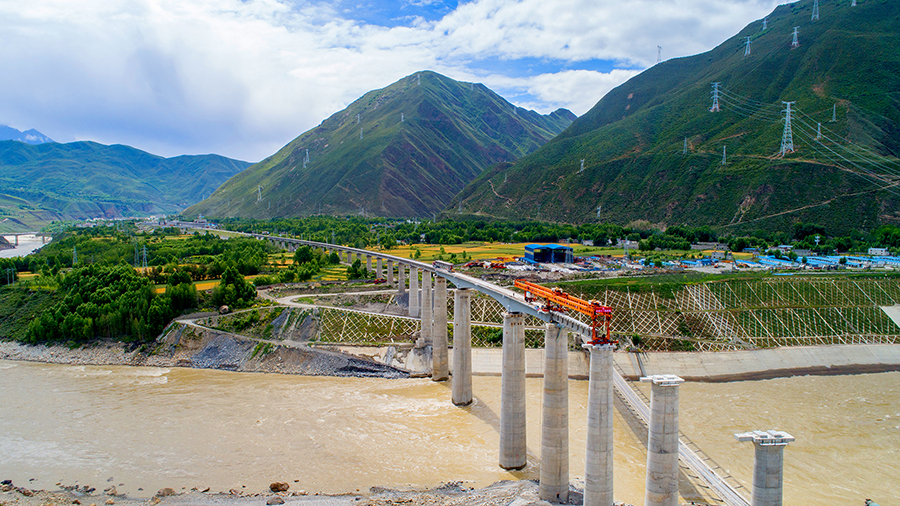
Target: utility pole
x=787, y=138
x=815, y=14
x=747, y=47
x=795, y=42
x=715, y=96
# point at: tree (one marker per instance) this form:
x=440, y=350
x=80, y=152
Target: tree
x=233, y=290
x=303, y=255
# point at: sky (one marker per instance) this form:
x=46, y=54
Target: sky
x=241, y=78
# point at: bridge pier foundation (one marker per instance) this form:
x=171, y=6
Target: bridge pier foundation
x=512, y=393
x=554, y=485
x=390, y=272
x=426, y=316
x=413, y=292
x=379, y=266
x=462, y=347
x=598, y=456
x=768, y=465
x=401, y=280
x=662, y=441
x=439, y=369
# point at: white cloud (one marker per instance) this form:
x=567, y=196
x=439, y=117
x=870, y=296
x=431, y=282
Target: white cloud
x=243, y=78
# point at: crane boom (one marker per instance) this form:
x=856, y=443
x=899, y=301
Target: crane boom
x=558, y=300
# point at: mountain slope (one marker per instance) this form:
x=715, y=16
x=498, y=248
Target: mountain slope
x=404, y=150
x=79, y=180
x=633, y=140
x=28, y=136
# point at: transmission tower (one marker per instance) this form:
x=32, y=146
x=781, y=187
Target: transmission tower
x=360, y=134
x=747, y=47
x=795, y=42
x=402, y=118
x=815, y=14
x=853, y=3
x=787, y=138
x=598, y=211
x=357, y=119
x=418, y=79
x=658, y=54
x=715, y=95
x=258, y=193
x=136, y=259
x=10, y=275
x=765, y=23
x=144, y=263
x=723, y=155
x=834, y=113
x=818, y=131
x=306, y=159
x=684, y=149
x=74, y=256
x=582, y=166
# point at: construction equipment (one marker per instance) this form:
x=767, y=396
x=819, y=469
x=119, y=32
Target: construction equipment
x=557, y=300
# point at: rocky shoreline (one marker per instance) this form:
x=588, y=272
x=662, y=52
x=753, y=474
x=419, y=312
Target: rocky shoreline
x=505, y=493
x=186, y=345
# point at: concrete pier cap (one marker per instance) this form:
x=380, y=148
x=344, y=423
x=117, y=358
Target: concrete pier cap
x=766, y=438
x=768, y=465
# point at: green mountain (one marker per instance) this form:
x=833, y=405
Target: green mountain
x=79, y=180
x=404, y=150
x=633, y=141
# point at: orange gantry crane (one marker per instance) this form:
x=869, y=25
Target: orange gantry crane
x=557, y=300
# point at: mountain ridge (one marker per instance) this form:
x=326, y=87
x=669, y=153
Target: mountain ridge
x=81, y=180
x=633, y=139
x=404, y=151
x=30, y=136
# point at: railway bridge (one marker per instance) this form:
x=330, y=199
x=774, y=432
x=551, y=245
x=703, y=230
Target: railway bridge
x=429, y=303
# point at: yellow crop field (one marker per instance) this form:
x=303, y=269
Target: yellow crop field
x=484, y=250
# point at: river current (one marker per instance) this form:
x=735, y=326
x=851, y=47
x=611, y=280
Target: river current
x=143, y=429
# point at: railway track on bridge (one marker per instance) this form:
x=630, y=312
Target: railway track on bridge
x=727, y=488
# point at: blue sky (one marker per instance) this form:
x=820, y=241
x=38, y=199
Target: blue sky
x=243, y=77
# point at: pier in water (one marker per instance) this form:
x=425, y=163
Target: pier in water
x=149, y=428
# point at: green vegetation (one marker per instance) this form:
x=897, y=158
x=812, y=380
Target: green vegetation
x=37, y=181
x=107, y=301
x=632, y=141
x=404, y=150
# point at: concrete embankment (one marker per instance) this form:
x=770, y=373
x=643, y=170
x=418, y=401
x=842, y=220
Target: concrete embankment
x=185, y=345
x=692, y=366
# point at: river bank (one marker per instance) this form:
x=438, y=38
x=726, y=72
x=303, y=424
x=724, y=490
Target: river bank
x=511, y=493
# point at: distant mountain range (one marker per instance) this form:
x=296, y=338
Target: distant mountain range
x=404, y=151
x=28, y=137
x=652, y=150
x=80, y=180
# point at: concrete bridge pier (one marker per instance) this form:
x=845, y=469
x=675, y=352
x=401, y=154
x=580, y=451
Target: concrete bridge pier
x=598, y=455
x=440, y=368
x=662, y=443
x=554, y=485
x=413, y=292
x=379, y=273
x=390, y=272
x=768, y=465
x=401, y=280
x=350, y=258
x=462, y=347
x=426, y=317
x=512, y=393
x=369, y=264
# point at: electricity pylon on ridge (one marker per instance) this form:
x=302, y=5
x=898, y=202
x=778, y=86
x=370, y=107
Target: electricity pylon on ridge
x=815, y=13
x=715, y=98
x=747, y=47
x=787, y=138
x=796, y=42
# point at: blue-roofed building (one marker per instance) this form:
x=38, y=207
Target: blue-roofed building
x=549, y=254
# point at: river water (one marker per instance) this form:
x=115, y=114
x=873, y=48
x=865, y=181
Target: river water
x=27, y=244
x=142, y=429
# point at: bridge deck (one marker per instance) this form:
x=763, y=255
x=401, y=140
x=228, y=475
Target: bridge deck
x=515, y=302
